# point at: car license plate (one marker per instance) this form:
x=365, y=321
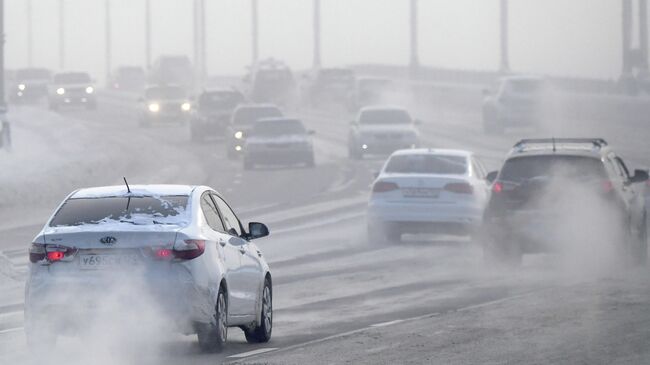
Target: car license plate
x=96, y=262
x=420, y=193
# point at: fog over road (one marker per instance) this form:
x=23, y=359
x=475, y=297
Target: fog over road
x=337, y=298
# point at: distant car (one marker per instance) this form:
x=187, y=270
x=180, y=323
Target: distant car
x=371, y=91
x=30, y=85
x=520, y=101
x=212, y=112
x=272, y=82
x=164, y=104
x=172, y=69
x=427, y=191
x=382, y=129
x=329, y=86
x=241, y=122
x=72, y=89
x=278, y=141
x=552, y=194
x=178, y=253
x=128, y=78
x=5, y=134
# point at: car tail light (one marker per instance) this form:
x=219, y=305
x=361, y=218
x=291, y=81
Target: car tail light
x=37, y=253
x=608, y=186
x=55, y=256
x=497, y=187
x=384, y=186
x=191, y=249
x=163, y=254
x=459, y=188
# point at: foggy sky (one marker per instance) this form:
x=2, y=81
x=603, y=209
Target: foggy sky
x=559, y=37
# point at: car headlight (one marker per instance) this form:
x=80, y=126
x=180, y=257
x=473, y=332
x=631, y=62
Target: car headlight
x=90, y=90
x=60, y=91
x=186, y=107
x=239, y=134
x=154, y=107
x=238, y=148
x=21, y=87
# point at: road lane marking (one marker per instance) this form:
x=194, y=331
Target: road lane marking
x=10, y=330
x=254, y=352
x=384, y=324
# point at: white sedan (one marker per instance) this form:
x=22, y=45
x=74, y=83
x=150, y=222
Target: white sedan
x=176, y=255
x=427, y=191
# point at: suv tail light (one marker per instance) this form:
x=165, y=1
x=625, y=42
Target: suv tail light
x=459, y=188
x=189, y=249
x=608, y=186
x=39, y=252
x=384, y=186
x=497, y=187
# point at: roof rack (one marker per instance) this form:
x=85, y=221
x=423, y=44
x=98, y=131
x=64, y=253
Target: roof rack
x=596, y=142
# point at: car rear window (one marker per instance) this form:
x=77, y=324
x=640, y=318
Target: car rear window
x=165, y=93
x=427, y=164
x=575, y=167
x=72, y=78
x=220, y=99
x=141, y=210
x=247, y=116
x=384, y=117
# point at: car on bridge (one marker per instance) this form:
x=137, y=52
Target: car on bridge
x=520, y=101
x=164, y=104
x=278, y=141
x=172, y=69
x=242, y=121
x=564, y=194
x=328, y=86
x=166, y=254
x=371, y=91
x=30, y=85
x=212, y=112
x=382, y=129
x=128, y=78
x=5, y=132
x=72, y=89
x=272, y=82
x=431, y=191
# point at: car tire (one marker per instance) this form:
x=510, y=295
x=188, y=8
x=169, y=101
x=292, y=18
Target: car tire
x=501, y=251
x=638, y=246
x=262, y=333
x=383, y=234
x=212, y=336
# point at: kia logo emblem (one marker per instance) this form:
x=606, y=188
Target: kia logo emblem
x=108, y=240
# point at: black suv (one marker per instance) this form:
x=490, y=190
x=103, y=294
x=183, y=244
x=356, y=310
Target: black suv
x=563, y=194
x=212, y=113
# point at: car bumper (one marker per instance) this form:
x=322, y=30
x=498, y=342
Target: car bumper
x=466, y=214
x=283, y=156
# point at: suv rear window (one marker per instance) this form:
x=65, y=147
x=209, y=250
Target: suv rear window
x=247, y=116
x=574, y=167
x=141, y=210
x=72, y=78
x=427, y=164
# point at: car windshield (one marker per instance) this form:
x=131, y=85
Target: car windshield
x=427, y=164
x=165, y=93
x=387, y=116
x=139, y=210
x=279, y=128
x=374, y=85
x=32, y=74
x=220, y=100
x=248, y=116
x=573, y=167
x=524, y=86
x=72, y=78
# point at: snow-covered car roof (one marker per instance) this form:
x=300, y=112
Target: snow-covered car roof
x=136, y=190
x=432, y=151
x=382, y=108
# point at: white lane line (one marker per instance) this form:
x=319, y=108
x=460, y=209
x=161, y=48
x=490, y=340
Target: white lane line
x=384, y=324
x=254, y=352
x=10, y=330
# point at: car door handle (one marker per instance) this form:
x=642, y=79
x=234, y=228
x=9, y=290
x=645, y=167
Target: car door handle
x=242, y=250
x=222, y=243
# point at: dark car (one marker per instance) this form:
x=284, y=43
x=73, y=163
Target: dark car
x=72, y=89
x=331, y=86
x=278, y=141
x=30, y=84
x=172, y=69
x=242, y=120
x=273, y=82
x=565, y=195
x=128, y=78
x=212, y=112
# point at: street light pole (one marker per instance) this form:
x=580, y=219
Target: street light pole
x=61, y=35
x=147, y=33
x=255, y=45
x=643, y=33
x=505, y=62
x=627, y=35
x=203, y=45
x=30, y=49
x=108, y=41
x=414, y=63
x=317, y=45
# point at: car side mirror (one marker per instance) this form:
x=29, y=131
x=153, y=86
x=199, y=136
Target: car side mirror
x=639, y=176
x=257, y=230
x=491, y=176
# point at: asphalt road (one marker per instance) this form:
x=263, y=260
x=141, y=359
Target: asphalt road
x=337, y=298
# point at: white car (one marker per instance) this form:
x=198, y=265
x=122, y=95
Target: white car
x=382, y=129
x=278, y=141
x=179, y=251
x=427, y=191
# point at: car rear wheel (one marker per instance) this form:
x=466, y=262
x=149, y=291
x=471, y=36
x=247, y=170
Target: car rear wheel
x=212, y=336
x=501, y=251
x=262, y=333
x=381, y=234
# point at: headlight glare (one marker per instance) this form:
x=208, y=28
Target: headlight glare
x=90, y=90
x=60, y=91
x=239, y=134
x=21, y=87
x=186, y=107
x=154, y=107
